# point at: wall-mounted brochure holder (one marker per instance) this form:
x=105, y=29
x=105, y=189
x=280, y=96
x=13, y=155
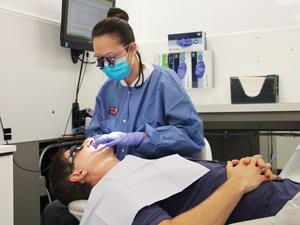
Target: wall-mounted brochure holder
x=254, y=89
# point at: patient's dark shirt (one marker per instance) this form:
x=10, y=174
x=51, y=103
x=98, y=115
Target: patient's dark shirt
x=265, y=201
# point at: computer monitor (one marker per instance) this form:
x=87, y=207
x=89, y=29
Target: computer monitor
x=78, y=19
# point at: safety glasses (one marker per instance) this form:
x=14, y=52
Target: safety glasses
x=72, y=152
x=109, y=59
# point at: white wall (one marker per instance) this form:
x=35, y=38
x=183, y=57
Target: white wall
x=247, y=37
x=38, y=78
x=47, y=9
x=152, y=20
x=244, y=54
x=158, y=18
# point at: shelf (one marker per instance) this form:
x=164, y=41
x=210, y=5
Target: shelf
x=226, y=108
x=7, y=148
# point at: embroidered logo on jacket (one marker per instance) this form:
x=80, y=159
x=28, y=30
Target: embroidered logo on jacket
x=113, y=110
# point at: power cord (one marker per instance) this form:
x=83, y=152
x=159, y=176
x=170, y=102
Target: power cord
x=28, y=170
x=16, y=164
x=86, y=62
x=272, y=150
x=84, y=71
x=250, y=146
x=80, y=81
x=79, y=78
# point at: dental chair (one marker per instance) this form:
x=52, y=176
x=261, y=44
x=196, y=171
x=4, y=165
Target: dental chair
x=205, y=153
x=291, y=170
x=76, y=208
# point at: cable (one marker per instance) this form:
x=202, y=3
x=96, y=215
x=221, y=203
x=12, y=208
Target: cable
x=64, y=134
x=28, y=170
x=84, y=71
x=222, y=143
x=17, y=165
x=48, y=194
x=56, y=145
x=80, y=81
x=249, y=144
x=79, y=78
x=272, y=150
x=87, y=62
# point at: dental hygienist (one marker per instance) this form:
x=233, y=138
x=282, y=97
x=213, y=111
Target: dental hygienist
x=142, y=109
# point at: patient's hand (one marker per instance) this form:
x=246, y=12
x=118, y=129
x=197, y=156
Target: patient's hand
x=246, y=177
x=266, y=167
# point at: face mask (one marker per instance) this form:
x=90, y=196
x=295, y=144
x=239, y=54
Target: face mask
x=119, y=70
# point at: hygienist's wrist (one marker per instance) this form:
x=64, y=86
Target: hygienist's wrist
x=145, y=136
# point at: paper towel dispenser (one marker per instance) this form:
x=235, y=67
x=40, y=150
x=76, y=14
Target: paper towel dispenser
x=254, y=89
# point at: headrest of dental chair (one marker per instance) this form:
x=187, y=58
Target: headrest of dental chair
x=205, y=153
x=76, y=208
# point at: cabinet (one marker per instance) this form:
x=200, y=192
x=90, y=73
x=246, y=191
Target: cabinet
x=28, y=187
x=6, y=186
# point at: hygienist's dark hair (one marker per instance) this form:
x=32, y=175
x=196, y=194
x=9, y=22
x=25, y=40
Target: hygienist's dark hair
x=119, y=13
x=60, y=186
x=121, y=29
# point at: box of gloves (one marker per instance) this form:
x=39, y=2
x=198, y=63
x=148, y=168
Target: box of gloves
x=194, y=69
x=187, y=42
x=254, y=89
x=189, y=59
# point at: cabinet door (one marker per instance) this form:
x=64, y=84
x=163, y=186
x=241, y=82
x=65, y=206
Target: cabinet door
x=6, y=190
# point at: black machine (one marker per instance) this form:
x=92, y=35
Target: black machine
x=78, y=19
x=79, y=116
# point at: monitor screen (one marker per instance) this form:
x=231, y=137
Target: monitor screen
x=78, y=19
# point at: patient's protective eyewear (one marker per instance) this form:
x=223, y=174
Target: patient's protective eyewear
x=72, y=152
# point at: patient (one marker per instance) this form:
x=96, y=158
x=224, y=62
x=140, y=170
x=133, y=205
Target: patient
x=225, y=194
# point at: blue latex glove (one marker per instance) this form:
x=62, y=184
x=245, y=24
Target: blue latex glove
x=96, y=136
x=119, y=138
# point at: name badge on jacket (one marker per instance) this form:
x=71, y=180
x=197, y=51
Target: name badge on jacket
x=113, y=111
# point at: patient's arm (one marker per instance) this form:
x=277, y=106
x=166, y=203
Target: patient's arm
x=216, y=209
